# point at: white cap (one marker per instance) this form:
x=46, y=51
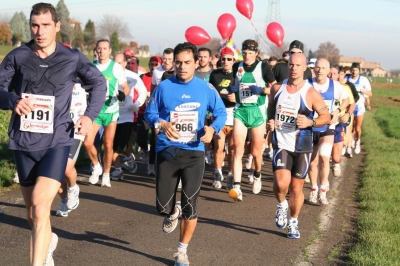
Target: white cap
x=311, y=62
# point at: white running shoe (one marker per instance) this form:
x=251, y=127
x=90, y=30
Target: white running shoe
x=63, y=210
x=344, y=150
x=105, y=180
x=49, y=261
x=251, y=179
x=229, y=181
x=281, y=217
x=207, y=158
x=349, y=153
x=313, y=196
x=307, y=179
x=322, y=198
x=217, y=177
x=181, y=258
x=117, y=174
x=236, y=193
x=357, y=150
x=97, y=171
x=150, y=170
x=336, y=169
x=16, y=178
x=257, y=185
x=170, y=223
x=353, y=143
x=248, y=162
x=73, y=197
x=293, y=229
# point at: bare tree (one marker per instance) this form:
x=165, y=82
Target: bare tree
x=110, y=24
x=395, y=72
x=329, y=51
x=213, y=45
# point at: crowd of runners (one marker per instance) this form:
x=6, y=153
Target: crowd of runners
x=190, y=109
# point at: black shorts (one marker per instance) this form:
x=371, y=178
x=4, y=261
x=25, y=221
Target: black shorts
x=74, y=150
x=122, y=136
x=50, y=163
x=318, y=135
x=297, y=163
x=188, y=166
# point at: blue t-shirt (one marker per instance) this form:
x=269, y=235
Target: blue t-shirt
x=195, y=96
x=22, y=71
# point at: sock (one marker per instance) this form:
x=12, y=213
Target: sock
x=314, y=188
x=182, y=247
x=73, y=187
x=236, y=183
x=358, y=142
x=283, y=204
x=293, y=220
x=106, y=175
x=322, y=188
x=230, y=173
x=218, y=170
x=257, y=174
x=97, y=166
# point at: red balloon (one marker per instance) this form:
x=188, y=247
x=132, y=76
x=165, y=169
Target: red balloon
x=197, y=35
x=226, y=25
x=275, y=33
x=245, y=7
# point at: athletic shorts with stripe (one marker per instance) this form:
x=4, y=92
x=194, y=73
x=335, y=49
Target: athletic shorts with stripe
x=297, y=163
x=188, y=166
x=74, y=150
x=251, y=116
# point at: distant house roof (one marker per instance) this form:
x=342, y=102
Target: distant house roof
x=370, y=65
x=348, y=59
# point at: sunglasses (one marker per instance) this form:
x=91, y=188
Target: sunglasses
x=153, y=64
x=226, y=59
x=291, y=52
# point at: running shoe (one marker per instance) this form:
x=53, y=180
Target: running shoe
x=336, y=170
x=248, y=162
x=73, y=197
x=313, y=196
x=357, y=150
x=349, y=153
x=16, y=178
x=150, y=170
x=236, y=193
x=307, y=179
x=281, y=217
x=117, y=174
x=293, y=229
x=322, y=198
x=105, y=181
x=207, y=158
x=170, y=222
x=145, y=157
x=217, y=176
x=229, y=181
x=99, y=158
x=63, y=210
x=353, y=143
x=181, y=258
x=97, y=171
x=251, y=179
x=344, y=150
x=49, y=261
x=257, y=185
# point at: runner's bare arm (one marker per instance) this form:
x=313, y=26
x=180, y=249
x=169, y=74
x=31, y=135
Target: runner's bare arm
x=208, y=136
x=271, y=106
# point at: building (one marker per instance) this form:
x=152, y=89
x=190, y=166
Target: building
x=368, y=68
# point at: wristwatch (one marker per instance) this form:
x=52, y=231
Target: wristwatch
x=314, y=122
x=157, y=125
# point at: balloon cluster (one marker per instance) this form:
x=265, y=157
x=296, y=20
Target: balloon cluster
x=226, y=25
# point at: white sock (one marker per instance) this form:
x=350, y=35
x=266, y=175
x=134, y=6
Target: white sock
x=182, y=247
x=97, y=166
x=106, y=175
x=322, y=187
x=314, y=188
x=283, y=204
x=73, y=187
x=293, y=220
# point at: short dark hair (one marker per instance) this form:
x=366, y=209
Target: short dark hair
x=346, y=68
x=43, y=8
x=273, y=58
x=103, y=40
x=203, y=49
x=335, y=66
x=186, y=46
x=168, y=51
x=134, y=57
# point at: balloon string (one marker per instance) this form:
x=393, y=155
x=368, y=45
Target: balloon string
x=262, y=38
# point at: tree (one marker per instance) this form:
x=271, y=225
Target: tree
x=329, y=51
x=213, y=45
x=89, y=35
x=110, y=24
x=19, y=28
x=63, y=15
x=78, y=41
x=5, y=34
x=114, y=42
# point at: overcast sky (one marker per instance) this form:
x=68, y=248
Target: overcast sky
x=359, y=28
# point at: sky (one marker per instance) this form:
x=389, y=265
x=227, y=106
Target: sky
x=359, y=28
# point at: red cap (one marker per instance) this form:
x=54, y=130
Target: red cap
x=129, y=52
x=156, y=59
x=67, y=45
x=227, y=50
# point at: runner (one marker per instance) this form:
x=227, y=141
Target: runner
x=42, y=73
x=345, y=118
x=251, y=91
x=109, y=114
x=323, y=137
x=221, y=79
x=167, y=65
x=290, y=109
x=364, y=89
x=176, y=108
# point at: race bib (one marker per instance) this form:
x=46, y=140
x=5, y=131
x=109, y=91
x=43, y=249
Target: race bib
x=186, y=123
x=78, y=106
x=245, y=94
x=40, y=120
x=229, y=116
x=286, y=118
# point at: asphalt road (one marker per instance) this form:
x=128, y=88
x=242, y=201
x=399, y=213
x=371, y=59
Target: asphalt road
x=120, y=226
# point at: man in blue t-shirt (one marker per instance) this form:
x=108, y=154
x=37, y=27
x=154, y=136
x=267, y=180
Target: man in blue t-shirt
x=177, y=109
x=42, y=74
